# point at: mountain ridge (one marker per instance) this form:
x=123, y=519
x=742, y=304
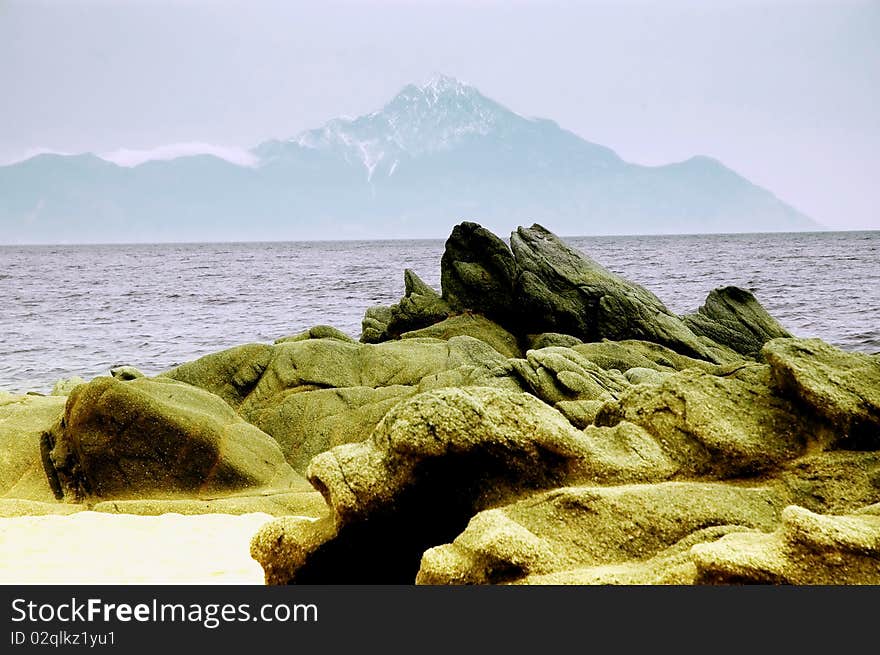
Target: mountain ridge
x=434, y=154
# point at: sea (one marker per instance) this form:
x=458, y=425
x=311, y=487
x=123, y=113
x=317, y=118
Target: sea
x=83, y=309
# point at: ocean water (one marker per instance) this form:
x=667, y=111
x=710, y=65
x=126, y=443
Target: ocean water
x=80, y=310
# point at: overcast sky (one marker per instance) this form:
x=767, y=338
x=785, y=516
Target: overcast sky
x=786, y=93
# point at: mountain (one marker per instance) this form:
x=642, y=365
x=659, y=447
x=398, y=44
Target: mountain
x=434, y=155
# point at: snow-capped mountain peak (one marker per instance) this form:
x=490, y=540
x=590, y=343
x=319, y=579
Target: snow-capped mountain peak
x=434, y=116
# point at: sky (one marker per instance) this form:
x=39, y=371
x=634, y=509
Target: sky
x=785, y=92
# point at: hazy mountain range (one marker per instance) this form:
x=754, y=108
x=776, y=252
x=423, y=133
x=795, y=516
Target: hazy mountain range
x=434, y=155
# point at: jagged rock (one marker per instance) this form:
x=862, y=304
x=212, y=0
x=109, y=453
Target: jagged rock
x=160, y=437
x=734, y=318
x=558, y=374
x=126, y=373
x=472, y=325
x=477, y=273
x=318, y=332
x=807, y=548
x=842, y=387
x=561, y=290
x=584, y=530
x=580, y=413
x=374, y=327
x=550, y=339
x=64, y=386
x=717, y=426
x=23, y=420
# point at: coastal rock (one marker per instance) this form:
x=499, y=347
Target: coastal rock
x=733, y=317
x=23, y=420
x=550, y=339
x=160, y=437
x=477, y=273
x=374, y=327
x=559, y=374
x=593, y=533
x=472, y=325
x=807, y=548
x=833, y=482
x=561, y=290
x=632, y=353
x=126, y=373
x=842, y=387
x=717, y=426
x=318, y=332
x=431, y=463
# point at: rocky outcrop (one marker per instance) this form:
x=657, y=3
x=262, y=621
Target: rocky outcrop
x=420, y=307
x=843, y=388
x=477, y=272
x=734, y=318
x=159, y=437
x=807, y=548
x=317, y=332
x=598, y=535
x=561, y=290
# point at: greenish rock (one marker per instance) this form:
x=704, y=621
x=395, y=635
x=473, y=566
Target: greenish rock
x=561, y=290
x=842, y=387
x=157, y=437
x=477, y=273
x=718, y=426
x=374, y=326
x=577, y=528
x=318, y=332
x=632, y=353
x=580, y=413
x=833, y=482
x=64, y=386
x=734, y=318
x=551, y=339
x=558, y=374
x=472, y=325
x=23, y=421
x=806, y=549
x=644, y=376
x=126, y=373
x=306, y=423
x=230, y=374
x=432, y=462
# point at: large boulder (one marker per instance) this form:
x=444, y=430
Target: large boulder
x=734, y=318
x=477, y=273
x=161, y=438
x=807, y=548
x=561, y=290
x=420, y=307
x=23, y=420
x=842, y=387
x=598, y=534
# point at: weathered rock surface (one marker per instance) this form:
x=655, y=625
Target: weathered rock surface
x=842, y=387
x=23, y=420
x=477, y=272
x=420, y=307
x=64, y=386
x=472, y=325
x=558, y=374
x=562, y=290
x=717, y=426
x=807, y=548
x=550, y=339
x=734, y=318
x=317, y=332
x=589, y=532
x=159, y=437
